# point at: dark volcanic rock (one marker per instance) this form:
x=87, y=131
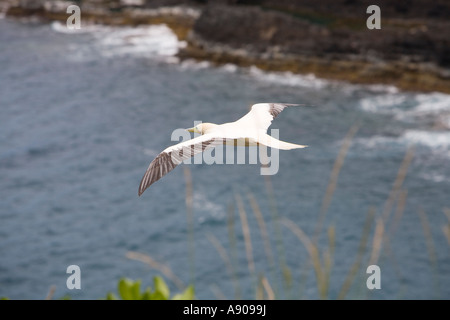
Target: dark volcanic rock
x=344, y=9
x=261, y=31
x=253, y=28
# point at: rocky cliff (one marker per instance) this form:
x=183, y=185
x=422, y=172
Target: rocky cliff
x=328, y=38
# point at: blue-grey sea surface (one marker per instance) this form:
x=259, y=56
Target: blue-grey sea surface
x=83, y=113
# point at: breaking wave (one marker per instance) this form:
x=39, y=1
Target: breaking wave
x=141, y=41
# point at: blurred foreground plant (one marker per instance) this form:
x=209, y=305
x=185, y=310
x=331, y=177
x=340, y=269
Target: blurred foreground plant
x=131, y=290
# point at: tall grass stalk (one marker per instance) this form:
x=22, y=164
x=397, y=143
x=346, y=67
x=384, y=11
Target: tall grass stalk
x=314, y=255
x=304, y=276
x=164, y=269
x=398, y=214
x=264, y=234
x=51, y=293
x=398, y=183
x=430, y=248
x=217, y=292
x=259, y=293
x=328, y=256
x=376, y=243
x=393, y=227
x=223, y=254
x=331, y=187
x=397, y=195
x=233, y=248
x=287, y=276
x=359, y=256
x=190, y=222
x=246, y=233
x=267, y=288
x=332, y=183
x=264, y=287
x=446, y=228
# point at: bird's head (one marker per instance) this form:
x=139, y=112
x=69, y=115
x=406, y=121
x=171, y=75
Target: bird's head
x=202, y=128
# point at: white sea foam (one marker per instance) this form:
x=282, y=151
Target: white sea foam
x=194, y=64
x=432, y=103
x=143, y=41
x=288, y=78
x=60, y=27
x=153, y=40
x=384, y=104
x=435, y=144
x=435, y=177
x=206, y=208
x=181, y=11
x=229, y=67
x=411, y=107
x=132, y=2
x=3, y=10
x=377, y=141
x=445, y=120
x=382, y=88
x=436, y=141
x=312, y=81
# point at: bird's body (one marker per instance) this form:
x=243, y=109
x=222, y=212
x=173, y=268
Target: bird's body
x=250, y=130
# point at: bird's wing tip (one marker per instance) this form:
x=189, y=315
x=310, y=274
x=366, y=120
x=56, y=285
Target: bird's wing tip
x=308, y=105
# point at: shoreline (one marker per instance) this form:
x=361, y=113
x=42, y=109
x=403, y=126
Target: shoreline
x=189, y=22
x=405, y=76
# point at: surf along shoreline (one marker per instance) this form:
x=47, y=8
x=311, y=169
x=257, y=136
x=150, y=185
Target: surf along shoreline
x=409, y=53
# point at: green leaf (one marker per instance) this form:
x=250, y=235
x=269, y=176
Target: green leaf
x=147, y=295
x=111, y=296
x=136, y=290
x=4, y=298
x=161, y=287
x=187, y=294
x=129, y=290
x=157, y=295
x=124, y=288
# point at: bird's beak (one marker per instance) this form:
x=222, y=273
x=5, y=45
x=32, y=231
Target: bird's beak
x=191, y=129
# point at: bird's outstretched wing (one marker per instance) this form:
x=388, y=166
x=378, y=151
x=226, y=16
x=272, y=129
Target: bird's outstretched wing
x=167, y=160
x=271, y=142
x=252, y=127
x=261, y=115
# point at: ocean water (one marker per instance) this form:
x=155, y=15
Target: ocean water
x=83, y=114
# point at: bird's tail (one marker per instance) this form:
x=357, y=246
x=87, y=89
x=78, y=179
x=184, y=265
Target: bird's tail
x=275, y=143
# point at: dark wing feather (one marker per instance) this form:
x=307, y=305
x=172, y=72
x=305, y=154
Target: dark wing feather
x=167, y=161
x=276, y=108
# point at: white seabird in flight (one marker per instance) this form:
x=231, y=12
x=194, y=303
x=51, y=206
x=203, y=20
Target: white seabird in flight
x=250, y=130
